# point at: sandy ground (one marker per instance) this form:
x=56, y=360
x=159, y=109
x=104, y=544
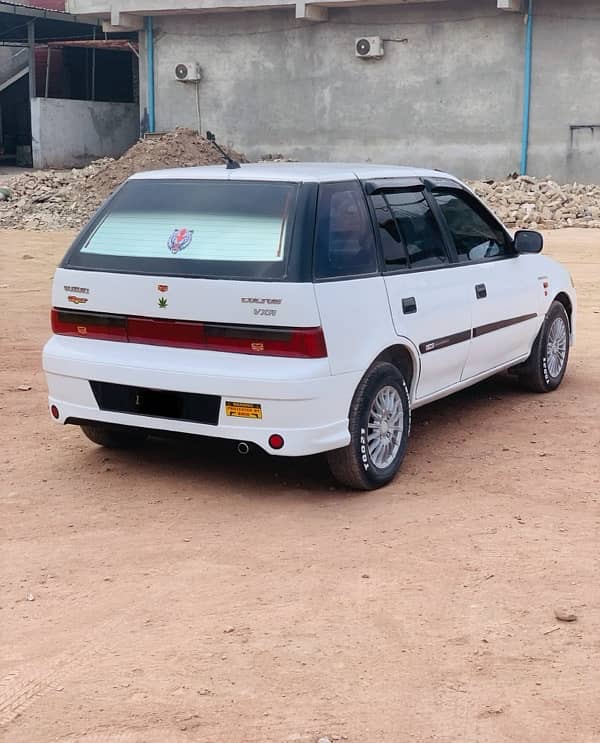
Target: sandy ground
x=183, y=593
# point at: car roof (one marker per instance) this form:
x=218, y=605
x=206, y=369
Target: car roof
x=294, y=172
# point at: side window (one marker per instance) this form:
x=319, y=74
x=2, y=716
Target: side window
x=416, y=229
x=345, y=244
x=477, y=236
x=392, y=244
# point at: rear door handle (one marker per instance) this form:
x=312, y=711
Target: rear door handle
x=480, y=291
x=409, y=305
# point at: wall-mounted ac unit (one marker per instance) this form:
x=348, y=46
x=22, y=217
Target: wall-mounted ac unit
x=369, y=47
x=188, y=72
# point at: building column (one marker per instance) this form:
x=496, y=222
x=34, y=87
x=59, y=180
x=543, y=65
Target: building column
x=31, y=49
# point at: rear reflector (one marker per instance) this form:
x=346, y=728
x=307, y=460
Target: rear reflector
x=306, y=343
x=276, y=441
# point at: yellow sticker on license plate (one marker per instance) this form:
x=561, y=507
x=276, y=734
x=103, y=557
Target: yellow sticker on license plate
x=243, y=410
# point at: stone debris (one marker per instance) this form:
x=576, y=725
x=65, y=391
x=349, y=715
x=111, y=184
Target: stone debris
x=541, y=203
x=565, y=615
x=66, y=199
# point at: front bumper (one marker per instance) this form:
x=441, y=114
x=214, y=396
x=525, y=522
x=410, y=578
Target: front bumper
x=300, y=399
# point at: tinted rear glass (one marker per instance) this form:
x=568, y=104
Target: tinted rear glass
x=219, y=229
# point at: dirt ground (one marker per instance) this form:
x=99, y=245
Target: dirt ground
x=184, y=593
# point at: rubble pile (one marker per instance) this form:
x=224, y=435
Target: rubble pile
x=64, y=199
x=536, y=203
x=53, y=199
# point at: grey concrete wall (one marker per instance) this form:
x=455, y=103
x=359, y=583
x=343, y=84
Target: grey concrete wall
x=566, y=91
x=70, y=133
x=450, y=96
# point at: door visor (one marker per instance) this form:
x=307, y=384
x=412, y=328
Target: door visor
x=393, y=184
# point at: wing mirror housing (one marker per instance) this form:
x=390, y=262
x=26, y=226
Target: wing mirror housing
x=528, y=241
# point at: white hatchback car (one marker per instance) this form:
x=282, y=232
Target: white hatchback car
x=302, y=308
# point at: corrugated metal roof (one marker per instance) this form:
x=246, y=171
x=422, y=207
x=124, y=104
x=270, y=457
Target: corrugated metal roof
x=49, y=24
x=31, y=11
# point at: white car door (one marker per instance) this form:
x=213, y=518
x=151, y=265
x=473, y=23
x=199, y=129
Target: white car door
x=428, y=294
x=503, y=291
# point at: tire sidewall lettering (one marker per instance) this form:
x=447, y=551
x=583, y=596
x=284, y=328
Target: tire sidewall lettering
x=364, y=453
x=545, y=371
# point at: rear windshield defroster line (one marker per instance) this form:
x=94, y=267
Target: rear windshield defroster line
x=200, y=228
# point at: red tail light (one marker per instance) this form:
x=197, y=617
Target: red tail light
x=306, y=343
x=89, y=325
x=303, y=343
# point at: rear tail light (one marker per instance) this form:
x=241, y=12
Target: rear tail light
x=305, y=343
x=89, y=325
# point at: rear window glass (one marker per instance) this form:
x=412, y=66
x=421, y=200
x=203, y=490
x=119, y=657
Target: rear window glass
x=205, y=228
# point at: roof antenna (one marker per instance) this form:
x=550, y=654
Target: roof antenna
x=231, y=163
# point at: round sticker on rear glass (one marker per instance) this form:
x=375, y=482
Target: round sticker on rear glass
x=179, y=239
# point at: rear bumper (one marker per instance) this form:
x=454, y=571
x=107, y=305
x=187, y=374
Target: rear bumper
x=300, y=400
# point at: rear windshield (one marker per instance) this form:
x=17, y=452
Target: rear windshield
x=219, y=229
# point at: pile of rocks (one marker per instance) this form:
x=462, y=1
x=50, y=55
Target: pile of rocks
x=50, y=200
x=64, y=199
x=53, y=200
x=537, y=203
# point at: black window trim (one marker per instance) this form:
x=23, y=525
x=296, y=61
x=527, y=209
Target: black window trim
x=373, y=186
x=345, y=277
x=471, y=199
x=407, y=185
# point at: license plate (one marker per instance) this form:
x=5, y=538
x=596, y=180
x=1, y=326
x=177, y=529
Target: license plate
x=243, y=410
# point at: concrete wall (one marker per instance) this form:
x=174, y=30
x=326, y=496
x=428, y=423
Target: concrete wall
x=447, y=94
x=566, y=91
x=70, y=133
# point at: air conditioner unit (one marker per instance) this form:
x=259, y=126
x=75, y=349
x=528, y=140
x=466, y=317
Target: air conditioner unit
x=369, y=47
x=188, y=72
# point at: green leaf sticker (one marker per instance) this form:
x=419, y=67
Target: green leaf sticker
x=162, y=302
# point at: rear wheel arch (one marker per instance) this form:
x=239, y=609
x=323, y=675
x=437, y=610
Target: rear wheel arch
x=403, y=359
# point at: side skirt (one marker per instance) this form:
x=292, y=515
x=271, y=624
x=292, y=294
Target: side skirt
x=466, y=383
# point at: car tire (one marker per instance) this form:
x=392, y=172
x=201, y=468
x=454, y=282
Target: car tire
x=379, y=424
x=113, y=436
x=547, y=364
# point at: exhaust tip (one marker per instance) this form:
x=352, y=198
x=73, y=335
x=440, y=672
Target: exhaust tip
x=243, y=447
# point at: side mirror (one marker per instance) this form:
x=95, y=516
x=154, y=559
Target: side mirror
x=528, y=241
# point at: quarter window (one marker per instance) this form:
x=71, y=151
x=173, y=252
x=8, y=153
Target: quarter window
x=477, y=236
x=410, y=236
x=345, y=243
